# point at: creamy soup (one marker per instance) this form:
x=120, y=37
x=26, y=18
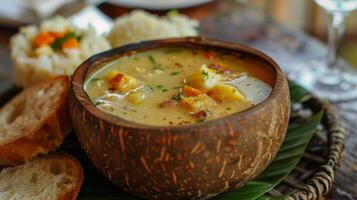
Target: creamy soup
x=177, y=85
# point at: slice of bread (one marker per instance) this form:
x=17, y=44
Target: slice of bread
x=52, y=177
x=35, y=121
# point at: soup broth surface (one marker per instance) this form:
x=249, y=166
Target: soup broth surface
x=177, y=85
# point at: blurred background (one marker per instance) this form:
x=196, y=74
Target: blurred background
x=307, y=16
x=302, y=15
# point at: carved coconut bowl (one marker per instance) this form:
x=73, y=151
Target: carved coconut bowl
x=181, y=162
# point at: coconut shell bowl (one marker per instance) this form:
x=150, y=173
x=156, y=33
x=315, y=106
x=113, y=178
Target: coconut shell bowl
x=195, y=161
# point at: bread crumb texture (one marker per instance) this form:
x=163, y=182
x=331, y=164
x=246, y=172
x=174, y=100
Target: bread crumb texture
x=46, y=178
x=29, y=109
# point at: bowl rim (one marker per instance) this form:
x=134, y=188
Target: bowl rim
x=80, y=74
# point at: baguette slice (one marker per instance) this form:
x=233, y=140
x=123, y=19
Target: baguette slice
x=34, y=122
x=52, y=177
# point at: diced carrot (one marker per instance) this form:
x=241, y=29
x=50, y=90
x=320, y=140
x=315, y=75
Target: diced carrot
x=58, y=34
x=115, y=81
x=209, y=92
x=190, y=91
x=43, y=39
x=208, y=55
x=71, y=43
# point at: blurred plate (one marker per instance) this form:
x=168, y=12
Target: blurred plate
x=158, y=4
x=21, y=12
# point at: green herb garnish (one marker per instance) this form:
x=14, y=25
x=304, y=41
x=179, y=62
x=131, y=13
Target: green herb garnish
x=205, y=74
x=152, y=59
x=173, y=13
x=160, y=86
x=175, y=73
x=57, y=44
x=98, y=103
x=177, y=97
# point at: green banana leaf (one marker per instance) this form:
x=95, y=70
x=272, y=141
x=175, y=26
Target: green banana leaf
x=297, y=138
x=297, y=93
x=96, y=187
x=292, y=149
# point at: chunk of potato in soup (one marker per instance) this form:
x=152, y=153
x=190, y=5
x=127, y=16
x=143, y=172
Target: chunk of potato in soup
x=178, y=85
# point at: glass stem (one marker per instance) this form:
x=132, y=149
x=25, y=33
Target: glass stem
x=335, y=31
x=267, y=11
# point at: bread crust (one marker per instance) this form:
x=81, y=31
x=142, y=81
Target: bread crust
x=47, y=136
x=72, y=194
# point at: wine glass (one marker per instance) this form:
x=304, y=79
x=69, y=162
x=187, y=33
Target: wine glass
x=328, y=78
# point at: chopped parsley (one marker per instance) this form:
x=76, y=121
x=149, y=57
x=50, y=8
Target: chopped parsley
x=98, y=103
x=205, y=74
x=177, y=97
x=95, y=79
x=160, y=86
x=172, y=14
x=57, y=44
x=175, y=73
x=152, y=59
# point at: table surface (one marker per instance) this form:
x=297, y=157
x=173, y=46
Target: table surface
x=237, y=23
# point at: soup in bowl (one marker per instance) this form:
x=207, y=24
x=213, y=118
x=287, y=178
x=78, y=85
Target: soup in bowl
x=172, y=86
x=180, y=118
